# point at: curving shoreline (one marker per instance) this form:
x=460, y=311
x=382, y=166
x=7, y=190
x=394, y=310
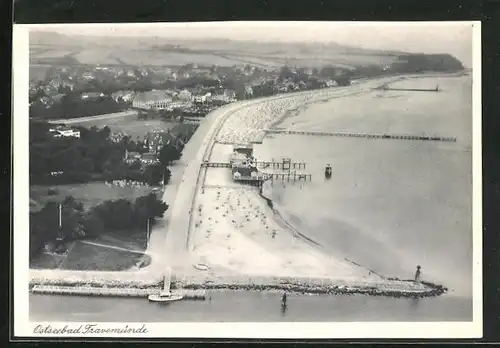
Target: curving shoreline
x=179, y=226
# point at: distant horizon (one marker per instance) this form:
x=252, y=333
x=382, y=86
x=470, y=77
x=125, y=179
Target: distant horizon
x=453, y=38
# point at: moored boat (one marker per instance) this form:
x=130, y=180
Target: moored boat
x=328, y=171
x=165, y=295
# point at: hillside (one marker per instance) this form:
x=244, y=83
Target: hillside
x=47, y=47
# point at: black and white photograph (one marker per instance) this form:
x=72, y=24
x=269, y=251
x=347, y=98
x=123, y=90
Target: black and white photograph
x=248, y=180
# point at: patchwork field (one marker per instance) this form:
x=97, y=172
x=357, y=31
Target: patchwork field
x=206, y=57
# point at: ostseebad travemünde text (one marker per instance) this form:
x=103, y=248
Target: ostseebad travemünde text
x=88, y=329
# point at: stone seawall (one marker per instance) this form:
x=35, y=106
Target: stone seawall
x=305, y=285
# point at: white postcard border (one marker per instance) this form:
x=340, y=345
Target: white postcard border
x=20, y=236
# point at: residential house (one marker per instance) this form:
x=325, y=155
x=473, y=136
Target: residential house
x=126, y=96
x=91, y=96
x=230, y=94
x=149, y=158
x=61, y=131
x=88, y=75
x=330, y=83
x=117, y=137
x=249, y=91
x=131, y=157
x=58, y=98
x=202, y=98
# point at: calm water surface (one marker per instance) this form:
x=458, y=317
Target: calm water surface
x=390, y=205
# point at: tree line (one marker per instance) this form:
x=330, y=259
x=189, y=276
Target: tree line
x=121, y=216
x=92, y=157
x=71, y=105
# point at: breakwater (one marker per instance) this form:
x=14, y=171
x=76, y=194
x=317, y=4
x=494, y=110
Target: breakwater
x=391, y=288
x=195, y=288
x=364, y=135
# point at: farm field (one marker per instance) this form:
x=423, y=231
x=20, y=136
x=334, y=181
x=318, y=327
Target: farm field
x=97, y=56
x=38, y=72
x=157, y=57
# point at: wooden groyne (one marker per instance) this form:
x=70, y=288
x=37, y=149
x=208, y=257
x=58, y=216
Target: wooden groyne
x=188, y=294
x=364, y=135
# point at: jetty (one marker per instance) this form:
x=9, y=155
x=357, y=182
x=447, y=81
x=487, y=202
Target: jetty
x=191, y=294
x=216, y=165
x=364, y=135
x=287, y=176
x=284, y=165
x=385, y=88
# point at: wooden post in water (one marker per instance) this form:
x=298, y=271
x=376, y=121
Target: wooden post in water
x=60, y=232
x=147, y=234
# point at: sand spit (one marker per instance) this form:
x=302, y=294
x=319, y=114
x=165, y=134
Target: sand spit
x=231, y=229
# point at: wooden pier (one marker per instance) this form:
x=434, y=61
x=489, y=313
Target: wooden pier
x=364, y=135
x=216, y=164
x=287, y=176
x=385, y=88
x=281, y=165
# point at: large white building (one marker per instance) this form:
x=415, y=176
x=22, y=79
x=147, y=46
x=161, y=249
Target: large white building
x=152, y=100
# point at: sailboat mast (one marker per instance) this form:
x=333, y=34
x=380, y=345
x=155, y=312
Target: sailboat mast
x=60, y=216
x=60, y=221
x=166, y=282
